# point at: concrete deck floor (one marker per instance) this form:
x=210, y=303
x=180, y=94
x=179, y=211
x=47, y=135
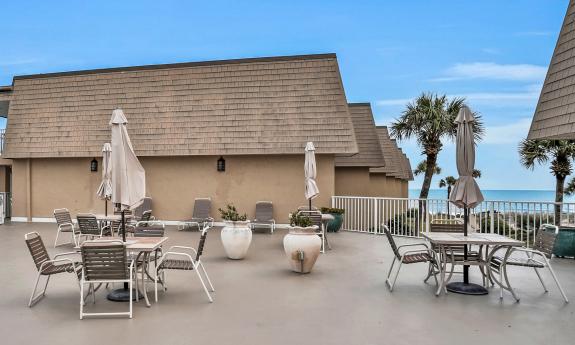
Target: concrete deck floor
x=260, y=301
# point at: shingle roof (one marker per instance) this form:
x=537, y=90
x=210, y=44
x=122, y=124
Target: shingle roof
x=247, y=106
x=389, y=150
x=406, y=167
x=555, y=113
x=369, y=154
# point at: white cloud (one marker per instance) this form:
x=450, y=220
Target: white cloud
x=511, y=133
x=493, y=71
x=526, y=98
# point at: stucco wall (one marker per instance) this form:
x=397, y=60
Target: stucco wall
x=173, y=183
x=357, y=181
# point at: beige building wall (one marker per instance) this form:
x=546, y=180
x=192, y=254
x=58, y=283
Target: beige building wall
x=357, y=181
x=352, y=181
x=173, y=183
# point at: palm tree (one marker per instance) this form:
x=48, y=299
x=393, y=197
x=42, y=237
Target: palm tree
x=422, y=167
x=430, y=119
x=449, y=182
x=561, y=154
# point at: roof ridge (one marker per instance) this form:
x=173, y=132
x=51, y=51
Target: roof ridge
x=181, y=65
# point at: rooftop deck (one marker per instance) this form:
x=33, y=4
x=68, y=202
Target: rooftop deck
x=260, y=301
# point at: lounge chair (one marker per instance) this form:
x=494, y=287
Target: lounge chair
x=264, y=216
x=315, y=217
x=48, y=267
x=184, y=258
x=65, y=224
x=200, y=215
x=306, y=208
x=105, y=262
x=144, y=206
x=421, y=255
x=536, y=257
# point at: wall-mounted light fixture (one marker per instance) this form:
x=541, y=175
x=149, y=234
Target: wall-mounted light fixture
x=221, y=164
x=94, y=165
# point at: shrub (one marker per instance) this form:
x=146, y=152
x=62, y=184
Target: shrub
x=231, y=214
x=332, y=210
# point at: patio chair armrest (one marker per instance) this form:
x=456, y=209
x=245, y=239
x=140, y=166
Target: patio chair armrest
x=171, y=250
x=414, y=245
x=70, y=261
x=66, y=254
x=415, y=251
x=529, y=251
x=168, y=253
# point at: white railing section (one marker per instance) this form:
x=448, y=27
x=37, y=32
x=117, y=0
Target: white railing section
x=411, y=217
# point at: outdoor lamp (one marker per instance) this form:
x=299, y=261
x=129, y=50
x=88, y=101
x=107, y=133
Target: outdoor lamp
x=221, y=164
x=94, y=165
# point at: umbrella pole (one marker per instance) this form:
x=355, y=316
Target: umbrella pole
x=465, y=267
x=309, y=200
x=106, y=207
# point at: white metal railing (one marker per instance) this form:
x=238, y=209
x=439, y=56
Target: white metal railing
x=411, y=217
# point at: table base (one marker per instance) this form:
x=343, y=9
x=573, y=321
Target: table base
x=123, y=295
x=466, y=289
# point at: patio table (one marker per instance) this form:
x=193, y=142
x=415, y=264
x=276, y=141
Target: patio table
x=443, y=240
x=144, y=246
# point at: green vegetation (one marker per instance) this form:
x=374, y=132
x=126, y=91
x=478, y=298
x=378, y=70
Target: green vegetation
x=301, y=220
x=332, y=210
x=429, y=119
x=231, y=214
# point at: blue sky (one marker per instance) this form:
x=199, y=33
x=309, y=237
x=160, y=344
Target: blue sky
x=493, y=52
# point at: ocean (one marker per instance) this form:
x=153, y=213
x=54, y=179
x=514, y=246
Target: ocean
x=500, y=195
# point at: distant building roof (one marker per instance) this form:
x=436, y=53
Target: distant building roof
x=247, y=106
x=370, y=154
x=398, y=164
x=555, y=113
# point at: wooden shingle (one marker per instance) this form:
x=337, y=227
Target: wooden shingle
x=370, y=154
x=555, y=113
x=247, y=106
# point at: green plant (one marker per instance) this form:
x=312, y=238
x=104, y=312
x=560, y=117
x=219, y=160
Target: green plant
x=298, y=219
x=561, y=154
x=231, y=214
x=430, y=119
x=332, y=210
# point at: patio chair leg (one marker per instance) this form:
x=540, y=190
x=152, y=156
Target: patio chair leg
x=156, y=286
x=540, y=279
x=36, y=298
x=93, y=293
x=556, y=280
x=204, y=285
x=81, y=300
x=56, y=240
x=504, y=271
x=207, y=277
x=389, y=272
x=396, y=275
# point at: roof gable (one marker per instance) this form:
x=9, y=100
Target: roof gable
x=555, y=113
x=370, y=154
x=249, y=106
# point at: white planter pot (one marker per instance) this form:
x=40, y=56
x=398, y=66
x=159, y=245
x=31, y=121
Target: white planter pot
x=298, y=241
x=236, y=238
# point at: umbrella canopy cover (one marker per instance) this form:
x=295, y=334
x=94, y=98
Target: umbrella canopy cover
x=310, y=169
x=105, y=190
x=128, y=175
x=466, y=192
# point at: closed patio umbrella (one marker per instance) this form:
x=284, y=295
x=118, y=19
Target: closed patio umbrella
x=105, y=190
x=310, y=169
x=466, y=193
x=128, y=179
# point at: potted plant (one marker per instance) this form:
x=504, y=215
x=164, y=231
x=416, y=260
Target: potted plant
x=236, y=234
x=335, y=224
x=302, y=244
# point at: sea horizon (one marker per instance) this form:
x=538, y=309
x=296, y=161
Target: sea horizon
x=501, y=194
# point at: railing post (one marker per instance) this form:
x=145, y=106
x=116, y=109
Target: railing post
x=332, y=201
x=491, y=217
x=375, y=218
x=427, y=215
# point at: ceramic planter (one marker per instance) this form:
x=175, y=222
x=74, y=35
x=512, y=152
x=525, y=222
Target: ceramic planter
x=302, y=243
x=236, y=238
x=335, y=224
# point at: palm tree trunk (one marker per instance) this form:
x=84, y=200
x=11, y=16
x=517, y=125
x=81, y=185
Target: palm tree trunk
x=430, y=163
x=559, y=188
x=448, y=193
